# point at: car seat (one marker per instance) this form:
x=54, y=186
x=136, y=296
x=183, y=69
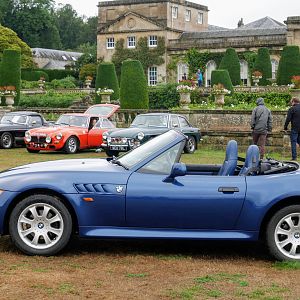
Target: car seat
x=230, y=162
x=251, y=160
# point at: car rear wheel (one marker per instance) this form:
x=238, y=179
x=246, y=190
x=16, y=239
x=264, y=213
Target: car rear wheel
x=32, y=151
x=190, y=145
x=111, y=153
x=71, y=145
x=40, y=225
x=283, y=234
x=6, y=140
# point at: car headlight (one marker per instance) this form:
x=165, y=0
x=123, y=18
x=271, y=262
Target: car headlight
x=140, y=135
x=48, y=139
x=108, y=139
x=27, y=136
x=105, y=135
x=124, y=140
x=59, y=136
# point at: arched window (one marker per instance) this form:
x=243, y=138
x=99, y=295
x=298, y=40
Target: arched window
x=274, y=64
x=182, y=71
x=244, y=72
x=210, y=66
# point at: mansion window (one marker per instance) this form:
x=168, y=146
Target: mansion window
x=131, y=42
x=200, y=17
x=152, y=76
x=152, y=41
x=110, y=43
x=188, y=15
x=174, y=12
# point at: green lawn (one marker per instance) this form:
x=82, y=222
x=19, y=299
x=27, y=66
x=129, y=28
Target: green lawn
x=19, y=156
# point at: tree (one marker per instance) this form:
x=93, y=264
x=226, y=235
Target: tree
x=107, y=77
x=88, y=33
x=289, y=65
x=230, y=62
x=11, y=71
x=263, y=64
x=10, y=40
x=222, y=77
x=89, y=55
x=134, y=89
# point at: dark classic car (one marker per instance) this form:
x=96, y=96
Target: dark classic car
x=148, y=193
x=147, y=126
x=13, y=126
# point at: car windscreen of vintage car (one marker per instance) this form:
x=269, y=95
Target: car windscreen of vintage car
x=13, y=119
x=100, y=110
x=143, y=152
x=150, y=121
x=71, y=120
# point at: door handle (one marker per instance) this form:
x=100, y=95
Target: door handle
x=228, y=189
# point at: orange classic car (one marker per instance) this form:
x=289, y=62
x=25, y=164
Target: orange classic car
x=71, y=132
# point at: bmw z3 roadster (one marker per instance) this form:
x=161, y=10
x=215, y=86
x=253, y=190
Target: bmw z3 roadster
x=149, y=193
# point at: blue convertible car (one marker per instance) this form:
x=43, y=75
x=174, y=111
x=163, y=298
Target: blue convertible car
x=148, y=193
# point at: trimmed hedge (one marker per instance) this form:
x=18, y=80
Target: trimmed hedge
x=107, y=77
x=222, y=76
x=32, y=75
x=163, y=96
x=231, y=62
x=289, y=65
x=11, y=71
x=263, y=64
x=134, y=89
x=54, y=74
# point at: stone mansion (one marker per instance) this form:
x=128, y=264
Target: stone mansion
x=184, y=25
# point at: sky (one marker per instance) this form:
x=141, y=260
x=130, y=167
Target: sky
x=224, y=13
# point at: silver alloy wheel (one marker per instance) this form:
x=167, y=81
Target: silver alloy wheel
x=72, y=145
x=40, y=226
x=287, y=235
x=190, y=144
x=6, y=140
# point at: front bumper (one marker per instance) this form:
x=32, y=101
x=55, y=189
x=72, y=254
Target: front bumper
x=45, y=146
x=120, y=145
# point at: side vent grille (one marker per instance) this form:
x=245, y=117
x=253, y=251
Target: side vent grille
x=90, y=188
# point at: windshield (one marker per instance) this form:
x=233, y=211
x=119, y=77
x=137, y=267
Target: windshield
x=78, y=121
x=150, y=121
x=139, y=154
x=9, y=119
x=100, y=110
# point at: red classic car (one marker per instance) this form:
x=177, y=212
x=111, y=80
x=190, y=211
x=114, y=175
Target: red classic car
x=70, y=133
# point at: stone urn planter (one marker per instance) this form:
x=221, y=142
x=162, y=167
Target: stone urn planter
x=9, y=100
x=105, y=97
x=88, y=83
x=185, y=100
x=219, y=100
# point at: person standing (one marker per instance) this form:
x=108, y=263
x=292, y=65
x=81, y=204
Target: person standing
x=261, y=124
x=293, y=117
x=199, y=77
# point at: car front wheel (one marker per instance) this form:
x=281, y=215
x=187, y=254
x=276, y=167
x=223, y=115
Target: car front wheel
x=283, y=234
x=6, y=140
x=190, y=145
x=71, y=145
x=40, y=225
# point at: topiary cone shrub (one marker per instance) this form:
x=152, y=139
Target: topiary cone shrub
x=263, y=65
x=11, y=71
x=289, y=65
x=107, y=77
x=134, y=88
x=222, y=76
x=231, y=62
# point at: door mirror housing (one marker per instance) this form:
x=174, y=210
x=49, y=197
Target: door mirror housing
x=178, y=169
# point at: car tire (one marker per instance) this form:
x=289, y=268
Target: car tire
x=190, y=145
x=71, y=145
x=111, y=153
x=6, y=140
x=32, y=150
x=283, y=234
x=40, y=225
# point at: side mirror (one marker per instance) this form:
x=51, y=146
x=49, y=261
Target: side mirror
x=178, y=169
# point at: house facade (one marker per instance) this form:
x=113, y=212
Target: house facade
x=184, y=25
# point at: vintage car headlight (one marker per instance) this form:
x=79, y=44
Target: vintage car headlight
x=140, y=135
x=27, y=136
x=108, y=139
x=124, y=140
x=59, y=136
x=105, y=135
x=48, y=139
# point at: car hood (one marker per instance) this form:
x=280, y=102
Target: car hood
x=62, y=174
x=133, y=131
x=54, y=130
